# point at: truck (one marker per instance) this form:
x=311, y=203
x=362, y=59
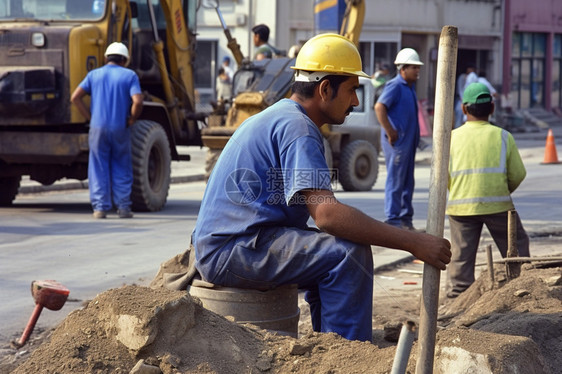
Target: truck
x=48, y=46
x=351, y=149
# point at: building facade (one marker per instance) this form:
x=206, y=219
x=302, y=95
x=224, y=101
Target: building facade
x=533, y=53
x=516, y=43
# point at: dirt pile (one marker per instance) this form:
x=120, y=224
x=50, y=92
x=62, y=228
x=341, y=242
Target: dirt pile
x=515, y=324
x=529, y=306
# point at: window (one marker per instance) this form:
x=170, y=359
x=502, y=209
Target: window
x=143, y=19
x=375, y=54
x=556, y=94
x=52, y=10
x=528, y=69
x=361, y=96
x=205, y=70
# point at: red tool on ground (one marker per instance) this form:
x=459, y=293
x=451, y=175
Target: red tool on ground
x=48, y=294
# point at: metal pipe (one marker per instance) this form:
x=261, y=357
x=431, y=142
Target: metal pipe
x=444, y=105
x=404, y=347
x=153, y=22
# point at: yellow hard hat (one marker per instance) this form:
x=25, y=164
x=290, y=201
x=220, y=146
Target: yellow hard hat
x=327, y=54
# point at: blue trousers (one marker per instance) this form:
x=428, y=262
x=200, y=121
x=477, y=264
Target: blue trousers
x=399, y=189
x=336, y=274
x=110, y=168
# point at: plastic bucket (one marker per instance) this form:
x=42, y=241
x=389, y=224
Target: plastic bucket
x=276, y=310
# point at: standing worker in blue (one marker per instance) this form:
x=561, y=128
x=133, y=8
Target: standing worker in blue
x=397, y=112
x=116, y=103
x=272, y=176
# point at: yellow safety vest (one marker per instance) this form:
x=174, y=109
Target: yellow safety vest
x=484, y=169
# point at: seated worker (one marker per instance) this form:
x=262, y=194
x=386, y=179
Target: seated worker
x=272, y=177
x=261, y=37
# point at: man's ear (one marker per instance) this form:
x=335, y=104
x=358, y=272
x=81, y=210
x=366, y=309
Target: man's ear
x=325, y=90
x=464, y=109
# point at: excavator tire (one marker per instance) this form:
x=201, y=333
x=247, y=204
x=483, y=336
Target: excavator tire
x=359, y=166
x=9, y=189
x=151, y=166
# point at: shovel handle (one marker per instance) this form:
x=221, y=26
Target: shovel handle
x=29, y=327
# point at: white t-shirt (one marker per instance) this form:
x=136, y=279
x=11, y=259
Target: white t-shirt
x=470, y=78
x=488, y=84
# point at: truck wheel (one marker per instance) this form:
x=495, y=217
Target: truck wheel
x=9, y=189
x=151, y=166
x=359, y=166
x=210, y=161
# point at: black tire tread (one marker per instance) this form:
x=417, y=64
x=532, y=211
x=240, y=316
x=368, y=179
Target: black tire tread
x=146, y=135
x=9, y=187
x=346, y=168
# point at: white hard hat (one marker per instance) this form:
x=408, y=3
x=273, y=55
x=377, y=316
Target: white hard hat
x=117, y=48
x=407, y=56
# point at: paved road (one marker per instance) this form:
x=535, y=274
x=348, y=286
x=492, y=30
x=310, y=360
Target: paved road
x=51, y=235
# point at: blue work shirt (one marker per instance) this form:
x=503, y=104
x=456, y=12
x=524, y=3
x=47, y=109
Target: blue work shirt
x=270, y=158
x=111, y=88
x=402, y=108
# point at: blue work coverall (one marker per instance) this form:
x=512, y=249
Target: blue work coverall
x=110, y=169
x=402, y=108
x=252, y=229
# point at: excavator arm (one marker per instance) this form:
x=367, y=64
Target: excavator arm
x=352, y=22
x=180, y=48
x=232, y=44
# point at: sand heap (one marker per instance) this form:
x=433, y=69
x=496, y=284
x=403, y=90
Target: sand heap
x=514, y=327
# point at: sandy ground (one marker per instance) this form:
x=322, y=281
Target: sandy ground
x=505, y=323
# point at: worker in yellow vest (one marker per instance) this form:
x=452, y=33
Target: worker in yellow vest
x=484, y=169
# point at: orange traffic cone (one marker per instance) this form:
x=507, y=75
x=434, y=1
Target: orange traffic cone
x=550, y=154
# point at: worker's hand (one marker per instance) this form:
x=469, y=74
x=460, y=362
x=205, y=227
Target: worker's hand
x=433, y=250
x=391, y=135
x=130, y=121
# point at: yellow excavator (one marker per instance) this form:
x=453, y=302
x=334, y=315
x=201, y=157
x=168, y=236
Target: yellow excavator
x=48, y=46
x=351, y=150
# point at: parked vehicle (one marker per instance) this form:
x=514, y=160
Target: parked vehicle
x=48, y=46
x=354, y=146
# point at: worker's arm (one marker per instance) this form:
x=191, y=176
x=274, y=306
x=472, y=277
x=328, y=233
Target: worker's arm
x=136, y=109
x=76, y=99
x=516, y=171
x=346, y=222
x=382, y=116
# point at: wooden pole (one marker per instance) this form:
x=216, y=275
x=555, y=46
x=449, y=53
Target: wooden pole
x=490, y=265
x=524, y=259
x=443, y=123
x=512, y=269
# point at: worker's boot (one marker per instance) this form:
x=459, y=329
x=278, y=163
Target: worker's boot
x=125, y=213
x=98, y=214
